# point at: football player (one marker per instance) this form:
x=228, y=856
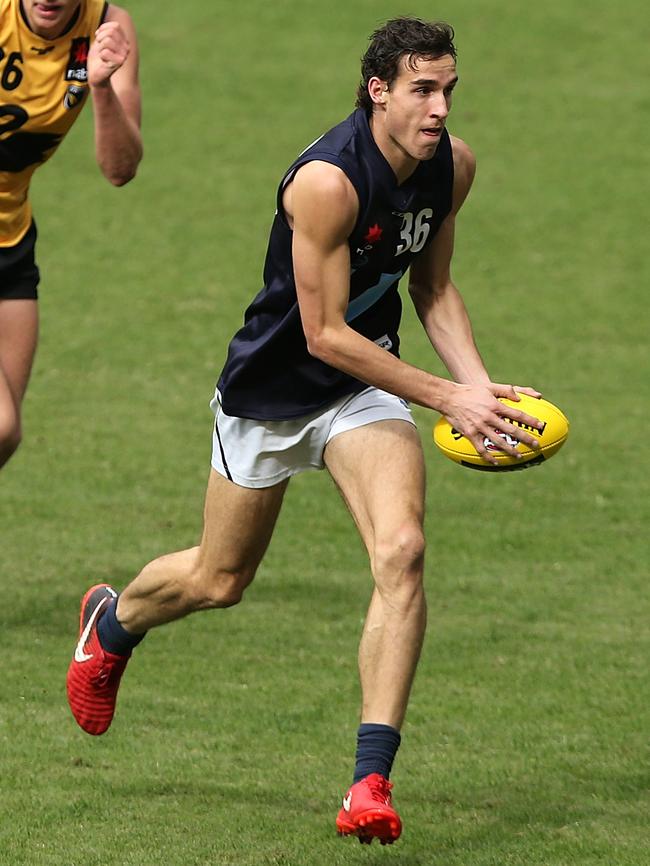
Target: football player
x=314, y=380
x=55, y=55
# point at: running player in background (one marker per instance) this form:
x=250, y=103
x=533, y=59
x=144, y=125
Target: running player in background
x=52, y=54
x=314, y=380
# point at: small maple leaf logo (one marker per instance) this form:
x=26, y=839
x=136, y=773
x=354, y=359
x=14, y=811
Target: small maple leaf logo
x=374, y=234
x=81, y=53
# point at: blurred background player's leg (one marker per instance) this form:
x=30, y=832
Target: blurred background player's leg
x=18, y=338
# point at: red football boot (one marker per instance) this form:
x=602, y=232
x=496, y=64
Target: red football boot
x=368, y=813
x=94, y=674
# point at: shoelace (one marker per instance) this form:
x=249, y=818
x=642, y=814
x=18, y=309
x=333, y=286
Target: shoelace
x=380, y=790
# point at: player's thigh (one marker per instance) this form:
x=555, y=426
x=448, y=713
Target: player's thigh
x=238, y=525
x=379, y=469
x=18, y=339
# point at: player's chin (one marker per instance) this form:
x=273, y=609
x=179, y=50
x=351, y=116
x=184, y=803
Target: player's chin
x=427, y=146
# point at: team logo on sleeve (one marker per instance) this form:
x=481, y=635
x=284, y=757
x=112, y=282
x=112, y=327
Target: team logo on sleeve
x=74, y=95
x=77, y=60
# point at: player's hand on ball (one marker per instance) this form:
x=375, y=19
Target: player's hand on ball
x=107, y=53
x=476, y=412
x=551, y=436
x=531, y=392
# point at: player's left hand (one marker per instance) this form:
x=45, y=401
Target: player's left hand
x=107, y=53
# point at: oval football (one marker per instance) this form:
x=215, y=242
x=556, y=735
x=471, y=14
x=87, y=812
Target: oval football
x=551, y=438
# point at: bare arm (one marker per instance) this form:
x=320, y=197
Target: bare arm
x=113, y=81
x=437, y=301
x=322, y=206
x=443, y=314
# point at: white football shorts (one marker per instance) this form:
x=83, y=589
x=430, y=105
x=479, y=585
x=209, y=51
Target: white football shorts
x=262, y=453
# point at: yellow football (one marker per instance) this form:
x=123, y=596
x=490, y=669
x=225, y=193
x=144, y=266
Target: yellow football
x=551, y=437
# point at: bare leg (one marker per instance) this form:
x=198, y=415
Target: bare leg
x=237, y=529
x=18, y=338
x=238, y=524
x=379, y=469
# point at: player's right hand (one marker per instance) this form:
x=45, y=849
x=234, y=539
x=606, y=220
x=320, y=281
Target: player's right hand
x=108, y=53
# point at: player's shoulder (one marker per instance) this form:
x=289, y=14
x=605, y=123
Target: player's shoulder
x=464, y=169
x=324, y=179
x=321, y=194
x=464, y=159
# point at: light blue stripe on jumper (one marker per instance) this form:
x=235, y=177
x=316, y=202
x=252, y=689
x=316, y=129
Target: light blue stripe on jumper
x=371, y=296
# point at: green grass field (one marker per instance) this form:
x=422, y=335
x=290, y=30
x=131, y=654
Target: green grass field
x=526, y=742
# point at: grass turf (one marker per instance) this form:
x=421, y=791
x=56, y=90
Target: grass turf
x=526, y=739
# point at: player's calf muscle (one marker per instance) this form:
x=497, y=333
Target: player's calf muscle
x=173, y=587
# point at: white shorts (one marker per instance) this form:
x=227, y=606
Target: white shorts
x=261, y=453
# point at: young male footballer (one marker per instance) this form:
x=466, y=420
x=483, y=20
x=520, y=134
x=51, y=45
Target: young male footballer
x=53, y=53
x=314, y=380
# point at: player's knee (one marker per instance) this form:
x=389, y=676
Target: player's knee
x=10, y=437
x=216, y=589
x=401, y=555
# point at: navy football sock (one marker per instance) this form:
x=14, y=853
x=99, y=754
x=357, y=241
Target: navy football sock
x=113, y=637
x=377, y=746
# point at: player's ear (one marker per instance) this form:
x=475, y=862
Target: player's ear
x=377, y=90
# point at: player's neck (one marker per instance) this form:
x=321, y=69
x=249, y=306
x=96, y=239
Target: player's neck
x=401, y=162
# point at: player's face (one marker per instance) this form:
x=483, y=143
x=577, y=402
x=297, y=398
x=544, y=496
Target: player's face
x=410, y=115
x=49, y=18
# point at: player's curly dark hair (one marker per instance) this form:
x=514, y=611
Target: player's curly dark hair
x=399, y=37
